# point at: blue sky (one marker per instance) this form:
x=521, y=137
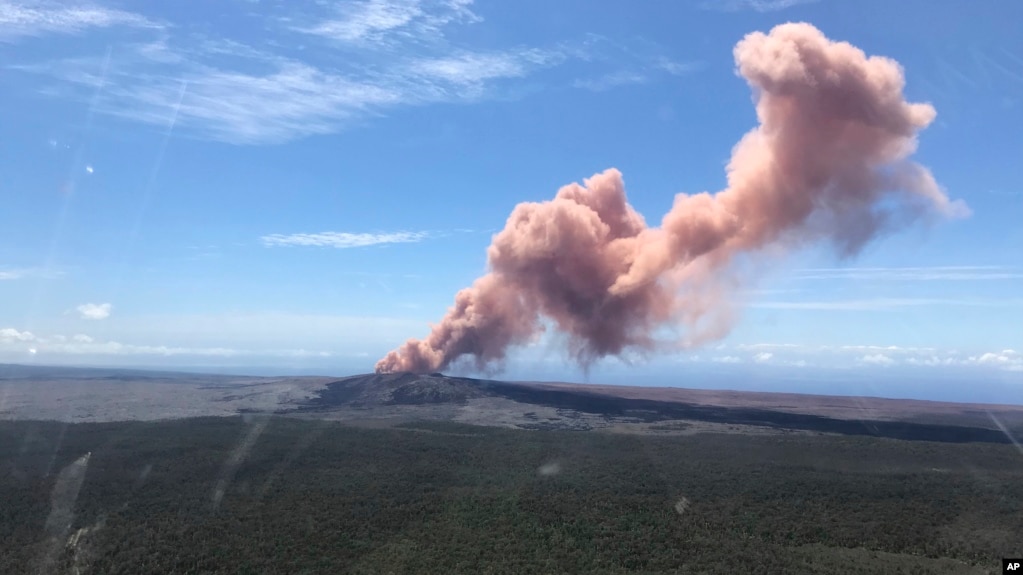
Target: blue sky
x=300, y=186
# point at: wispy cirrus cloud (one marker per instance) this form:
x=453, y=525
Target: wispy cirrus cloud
x=676, y=68
x=640, y=73
x=367, y=21
x=391, y=21
x=343, y=239
x=612, y=80
x=36, y=18
x=755, y=5
x=293, y=100
x=324, y=68
x=271, y=98
x=471, y=68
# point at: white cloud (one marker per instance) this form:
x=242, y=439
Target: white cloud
x=9, y=335
x=771, y=346
x=885, y=348
x=364, y=59
x=94, y=310
x=639, y=72
x=612, y=80
x=368, y=20
x=852, y=355
x=117, y=348
x=882, y=304
x=256, y=338
x=36, y=18
x=997, y=359
x=916, y=356
x=266, y=97
x=293, y=100
x=470, y=68
x=677, y=68
x=83, y=345
x=8, y=274
x=845, y=348
x=264, y=331
x=390, y=21
x=755, y=5
x=1006, y=360
x=932, y=361
x=933, y=273
x=877, y=359
x=275, y=99
x=343, y=239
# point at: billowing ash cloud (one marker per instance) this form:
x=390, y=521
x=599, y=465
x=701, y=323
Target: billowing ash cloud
x=828, y=162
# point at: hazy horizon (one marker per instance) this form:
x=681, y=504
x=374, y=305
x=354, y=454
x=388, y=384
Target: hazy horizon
x=905, y=384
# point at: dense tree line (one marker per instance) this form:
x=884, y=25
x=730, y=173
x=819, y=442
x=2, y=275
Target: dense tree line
x=300, y=496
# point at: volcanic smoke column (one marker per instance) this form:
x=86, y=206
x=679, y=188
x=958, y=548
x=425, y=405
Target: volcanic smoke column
x=828, y=162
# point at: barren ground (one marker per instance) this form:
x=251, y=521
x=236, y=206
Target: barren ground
x=88, y=396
